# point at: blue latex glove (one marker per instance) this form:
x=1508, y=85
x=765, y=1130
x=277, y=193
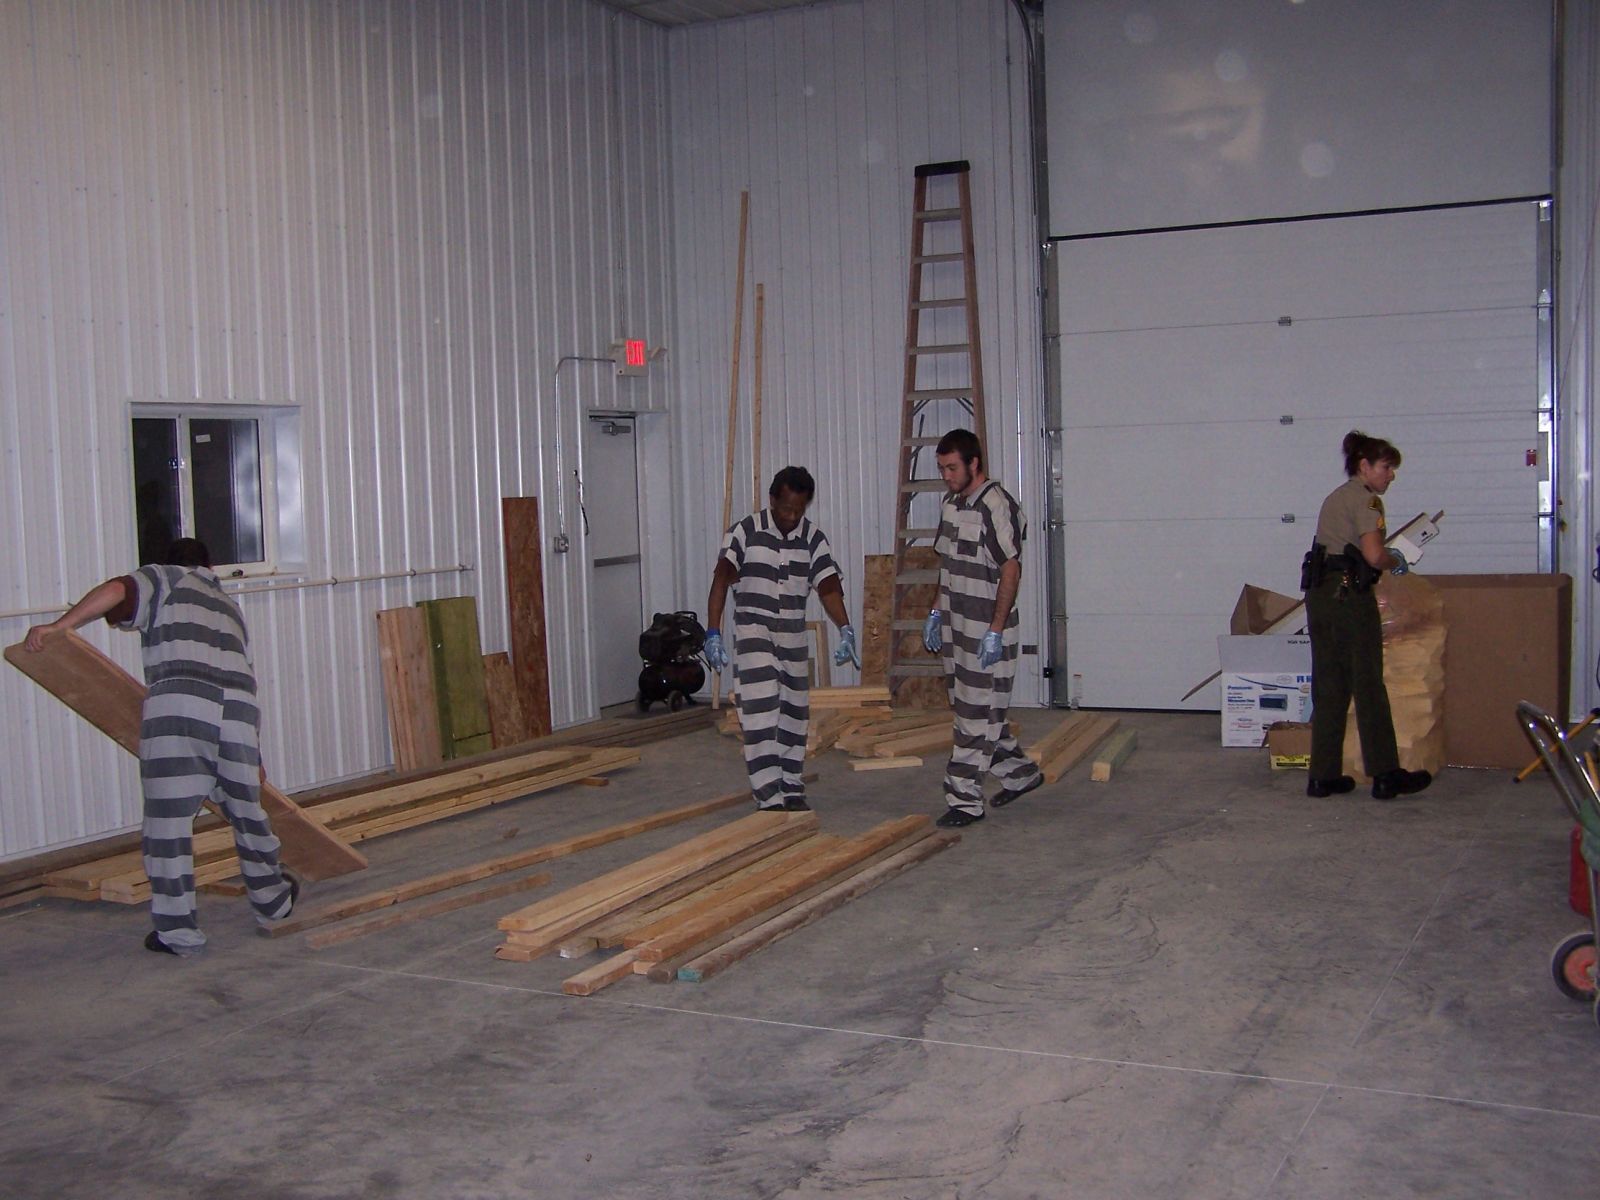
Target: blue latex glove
x=716, y=652
x=847, y=652
x=990, y=654
x=932, y=633
x=1403, y=569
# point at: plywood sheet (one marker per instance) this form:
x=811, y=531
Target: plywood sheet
x=408, y=688
x=458, y=675
x=106, y=696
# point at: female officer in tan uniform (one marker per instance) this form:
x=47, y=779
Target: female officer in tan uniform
x=1346, y=560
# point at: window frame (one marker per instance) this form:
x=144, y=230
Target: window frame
x=278, y=464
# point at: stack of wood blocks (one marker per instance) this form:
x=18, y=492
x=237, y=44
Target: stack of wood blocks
x=696, y=908
x=1072, y=741
x=373, y=813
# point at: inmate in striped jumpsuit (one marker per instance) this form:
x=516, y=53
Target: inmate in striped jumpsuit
x=776, y=573
x=199, y=738
x=977, y=535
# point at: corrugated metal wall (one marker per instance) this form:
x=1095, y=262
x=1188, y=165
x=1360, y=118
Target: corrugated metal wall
x=822, y=113
x=395, y=216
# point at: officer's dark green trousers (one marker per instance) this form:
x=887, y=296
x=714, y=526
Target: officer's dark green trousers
x=1346, y=662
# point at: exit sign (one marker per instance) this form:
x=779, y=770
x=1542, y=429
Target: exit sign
x=630, y=355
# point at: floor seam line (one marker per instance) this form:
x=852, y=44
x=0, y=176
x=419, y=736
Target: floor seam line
x=1295, y=1141
x=1088, y=1059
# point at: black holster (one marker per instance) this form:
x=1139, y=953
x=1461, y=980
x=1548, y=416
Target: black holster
x=1361, y=573
x=1313, y=567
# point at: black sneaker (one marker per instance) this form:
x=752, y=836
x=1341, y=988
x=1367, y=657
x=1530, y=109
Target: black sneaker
x=1006, y=795
x=152, y=941
x=956, y=818
x=796, y=804
x=1337, y=786
x=1391, y=785
x=294, y=895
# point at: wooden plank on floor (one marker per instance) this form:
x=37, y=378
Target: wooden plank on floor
x=75, y=672
x=847, y=697
x=408, y=688
x=703, y=967
x=603, y=974
x=1113, y=754
x=407, y=913
x=519, y=519
x=444, y=880
x=1070, y=727
x=507, y=725
x=885, y=764
x=458, y=675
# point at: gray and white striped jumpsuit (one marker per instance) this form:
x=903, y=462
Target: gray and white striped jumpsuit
x=199, y=738
x=977, y=535
x=776, y=573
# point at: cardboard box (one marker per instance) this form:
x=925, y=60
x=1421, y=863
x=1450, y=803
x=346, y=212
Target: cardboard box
x=1289, y=745
x=1509, y=638
x=1258, y=609
x=1265, y=678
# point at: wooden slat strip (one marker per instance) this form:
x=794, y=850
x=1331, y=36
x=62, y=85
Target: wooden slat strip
x=416, y=912
x=1075, y=751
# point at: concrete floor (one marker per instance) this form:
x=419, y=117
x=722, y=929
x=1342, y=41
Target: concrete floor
x=1190, y=982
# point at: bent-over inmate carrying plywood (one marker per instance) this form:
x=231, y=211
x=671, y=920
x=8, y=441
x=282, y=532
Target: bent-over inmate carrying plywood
x=110, y=699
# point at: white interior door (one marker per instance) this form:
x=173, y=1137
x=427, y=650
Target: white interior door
x=611, y=522
x=1208, y=377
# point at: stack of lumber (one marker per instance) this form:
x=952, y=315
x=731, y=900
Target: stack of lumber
x=398, y=904
x=1070, y=742
x=373, y=813
x=694, y=909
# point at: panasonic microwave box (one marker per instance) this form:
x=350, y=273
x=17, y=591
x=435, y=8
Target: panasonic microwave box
x=1265, y=679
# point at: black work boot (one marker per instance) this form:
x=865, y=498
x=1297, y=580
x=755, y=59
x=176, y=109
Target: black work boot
x=796, y=804
x=1391, y=785
x=956, y=818
x=1337, y=786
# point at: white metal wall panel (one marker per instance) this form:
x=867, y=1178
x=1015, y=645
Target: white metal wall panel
x=393, y=216
x=1196, y=421
x=822, y=114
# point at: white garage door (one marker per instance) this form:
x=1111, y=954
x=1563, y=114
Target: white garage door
x=1208, y=377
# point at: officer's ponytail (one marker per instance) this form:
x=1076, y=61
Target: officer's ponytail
x=1359, y=446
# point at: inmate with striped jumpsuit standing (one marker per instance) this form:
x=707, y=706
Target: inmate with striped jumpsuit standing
x=199, y=734
x=975, y=628
x=773, y=560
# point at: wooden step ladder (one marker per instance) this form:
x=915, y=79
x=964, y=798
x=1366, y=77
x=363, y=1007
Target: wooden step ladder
x=942, y=378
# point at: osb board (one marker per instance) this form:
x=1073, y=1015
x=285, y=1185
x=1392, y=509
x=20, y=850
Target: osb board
x=877, y=598
x=506, y=721
x=519, y=518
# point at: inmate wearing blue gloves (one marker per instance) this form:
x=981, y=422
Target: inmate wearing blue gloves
x=847, y=652
x=933, y=633
x=716, y=652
